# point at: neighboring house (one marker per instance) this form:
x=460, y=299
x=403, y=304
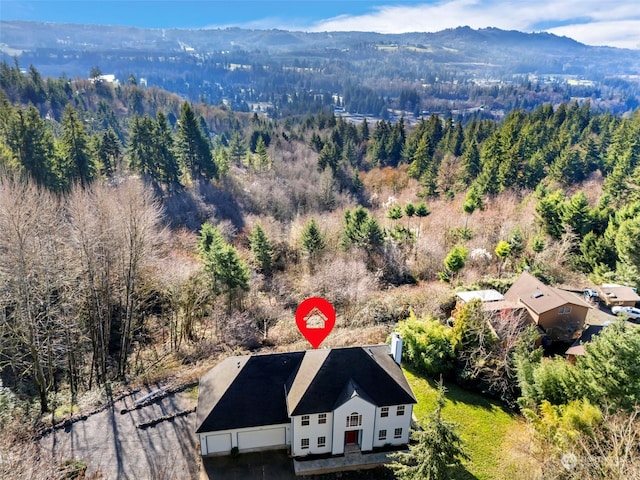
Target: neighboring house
x=485, y=296
x=312, y=402
x=618, y=295
x=559, y=313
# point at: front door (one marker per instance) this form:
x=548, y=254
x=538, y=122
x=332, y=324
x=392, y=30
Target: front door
x=351, y=437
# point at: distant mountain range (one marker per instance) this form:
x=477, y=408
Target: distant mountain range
x=31, y=40
x=256, y=65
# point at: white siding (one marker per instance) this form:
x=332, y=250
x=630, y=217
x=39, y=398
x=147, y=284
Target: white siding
x=340, y=414
x=390, y=423
x=312, y=432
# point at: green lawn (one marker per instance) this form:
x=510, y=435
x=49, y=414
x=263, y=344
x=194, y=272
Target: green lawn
x=490, y=433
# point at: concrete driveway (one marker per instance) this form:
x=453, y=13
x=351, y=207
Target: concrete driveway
x=114, y=446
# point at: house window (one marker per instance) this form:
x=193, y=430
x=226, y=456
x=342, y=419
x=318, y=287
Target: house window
x=382, y=435
x=397, y=433
x=564, y=310
x=322, y=418
x=304, y=443
x=354, y=420
x=384, y=412
x=305, y=420
x=322, y=441
x=400, y=410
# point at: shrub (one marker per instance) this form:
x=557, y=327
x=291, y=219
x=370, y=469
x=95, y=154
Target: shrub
x=428, y=345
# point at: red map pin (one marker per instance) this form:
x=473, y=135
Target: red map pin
x=315, y=318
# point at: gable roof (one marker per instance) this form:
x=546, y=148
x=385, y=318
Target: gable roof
x=266, y=389
x=245, y=391
x=620, y=293
x=538, y=297
x=320, y=383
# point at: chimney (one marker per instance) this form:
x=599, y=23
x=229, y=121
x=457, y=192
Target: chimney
x=396, y=347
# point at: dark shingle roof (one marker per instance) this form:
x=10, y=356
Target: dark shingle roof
x=245, y=391
x=323, y=377
x=256, y=390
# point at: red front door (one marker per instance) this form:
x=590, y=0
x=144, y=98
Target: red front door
x=351, y=437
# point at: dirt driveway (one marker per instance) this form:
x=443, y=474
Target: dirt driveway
x=112, y=444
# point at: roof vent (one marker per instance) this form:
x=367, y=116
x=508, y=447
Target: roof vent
x=537, y=295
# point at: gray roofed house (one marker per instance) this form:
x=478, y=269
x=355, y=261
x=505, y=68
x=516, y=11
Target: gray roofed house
x=311, y=402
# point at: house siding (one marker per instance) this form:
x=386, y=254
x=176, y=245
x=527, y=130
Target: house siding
x=312, y=432
x=365, y=430
x=563, y=326
x=390, y=423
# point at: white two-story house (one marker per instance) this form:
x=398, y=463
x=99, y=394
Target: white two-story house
x=312, y=402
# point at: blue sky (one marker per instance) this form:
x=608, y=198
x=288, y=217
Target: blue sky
x=594, y=22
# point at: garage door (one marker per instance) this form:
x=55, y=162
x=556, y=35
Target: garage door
x=261, y=438
x=219, y=443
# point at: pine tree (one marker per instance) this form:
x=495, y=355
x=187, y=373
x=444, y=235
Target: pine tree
x=76, y=162
x=229, y=274
x=261, y=249
x=437, y=452
x=166, y=161
x=109, y=153
x=32, y=144
x=312, y=239
x=193, y=146
x=261, y=151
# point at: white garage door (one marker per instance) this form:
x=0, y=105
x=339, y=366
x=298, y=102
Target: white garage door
x=261, y=438
x=219, y=443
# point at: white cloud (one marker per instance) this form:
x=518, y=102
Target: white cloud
x=593, y=22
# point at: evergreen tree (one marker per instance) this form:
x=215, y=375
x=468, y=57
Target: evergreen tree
x=394, y=212
x=261, y=151
x=455, y=260
x=436, y=452
x=193, y=146
x=549, y=210
x=577, y=215
x=237, y=148
x=229, y=274
x=109, y=152
x=470, y=163
x=76, y=162
x=261, y=249
x=32, y=144
x=422, y=210
x=313, y=242
x=363, y=131
x=168, y=168
x=142, y=155
x=361, y=230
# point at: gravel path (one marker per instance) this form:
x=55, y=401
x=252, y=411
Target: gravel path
x=113, y=445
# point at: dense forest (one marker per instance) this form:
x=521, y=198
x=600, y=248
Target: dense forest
x=140, y=232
